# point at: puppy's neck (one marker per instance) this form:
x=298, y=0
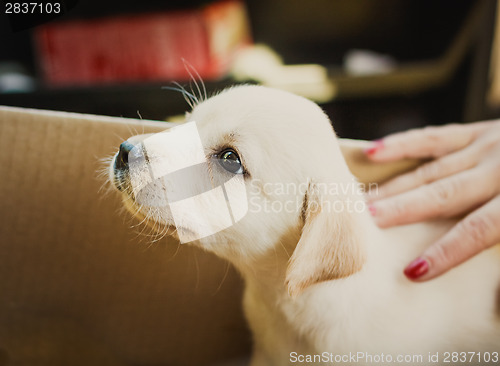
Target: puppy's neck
x=266, y=274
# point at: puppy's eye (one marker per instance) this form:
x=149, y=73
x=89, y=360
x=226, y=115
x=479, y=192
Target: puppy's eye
x=230, y=161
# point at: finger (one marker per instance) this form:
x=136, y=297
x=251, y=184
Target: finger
x=428, y=142
x=476, y=232
x=426, y=173
x=444, y=198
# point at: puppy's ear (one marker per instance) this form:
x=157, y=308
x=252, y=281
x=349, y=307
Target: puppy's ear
x=329, y=247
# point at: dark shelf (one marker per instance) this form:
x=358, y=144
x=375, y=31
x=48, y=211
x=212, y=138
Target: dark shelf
x=151, y=101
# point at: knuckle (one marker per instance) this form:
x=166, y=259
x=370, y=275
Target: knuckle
x=428, y=172
x=397, y=210
x=432, y=133
x=443, y=192
x=410, y=136
x=445, y=255
x=435, y=140
x=476, y=229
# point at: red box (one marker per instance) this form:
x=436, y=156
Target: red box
x=148, y=47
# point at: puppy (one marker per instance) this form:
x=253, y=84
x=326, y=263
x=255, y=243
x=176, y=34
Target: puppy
x=256, y=176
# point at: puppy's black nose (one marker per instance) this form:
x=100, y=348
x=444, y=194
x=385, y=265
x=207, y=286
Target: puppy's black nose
x=121, y=161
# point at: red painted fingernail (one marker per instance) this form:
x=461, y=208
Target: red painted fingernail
x=417, y=268
x=372, y=209
x=377, y=146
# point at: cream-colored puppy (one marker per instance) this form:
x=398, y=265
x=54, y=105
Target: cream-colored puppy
x=257, y=177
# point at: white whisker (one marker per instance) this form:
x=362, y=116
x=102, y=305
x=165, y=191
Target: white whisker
x=191, y=70
x=190, y=99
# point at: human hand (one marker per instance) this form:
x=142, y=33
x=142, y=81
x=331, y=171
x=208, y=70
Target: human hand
x=463, y=178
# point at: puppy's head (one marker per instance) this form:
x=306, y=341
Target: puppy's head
x=252, y=169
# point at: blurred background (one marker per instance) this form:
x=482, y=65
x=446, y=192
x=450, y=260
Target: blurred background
x=375, y=66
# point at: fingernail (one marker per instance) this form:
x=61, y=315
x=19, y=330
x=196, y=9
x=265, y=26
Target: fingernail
x=416, y=269
x=377, y=145
x=372, y=209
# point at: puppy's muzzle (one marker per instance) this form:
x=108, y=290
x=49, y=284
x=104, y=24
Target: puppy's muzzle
x=120, y=166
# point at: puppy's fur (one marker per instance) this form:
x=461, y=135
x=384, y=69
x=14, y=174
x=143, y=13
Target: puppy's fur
x=322, y=280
